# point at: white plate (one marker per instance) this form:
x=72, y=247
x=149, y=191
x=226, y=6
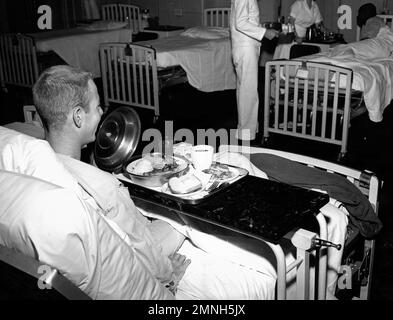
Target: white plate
x=182, y=164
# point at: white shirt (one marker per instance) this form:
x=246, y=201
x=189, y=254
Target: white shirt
x=305, y=16
x=244, y=23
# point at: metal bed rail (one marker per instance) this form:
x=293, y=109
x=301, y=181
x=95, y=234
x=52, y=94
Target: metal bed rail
x=125, y=13
x=308, y=100
x=129, y=75
x=18, y=60
x=216, y=17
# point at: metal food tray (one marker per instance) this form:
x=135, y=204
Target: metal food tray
x=162, y=197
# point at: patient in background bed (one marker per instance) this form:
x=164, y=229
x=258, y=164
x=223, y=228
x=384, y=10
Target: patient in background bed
x=368, y=22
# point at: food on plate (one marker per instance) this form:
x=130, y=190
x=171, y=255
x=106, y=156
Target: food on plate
x=152, y=164
x=220, y=171
x=143, y=166
x=184, y=184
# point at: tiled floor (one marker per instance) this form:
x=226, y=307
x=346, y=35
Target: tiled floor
x=370, y=148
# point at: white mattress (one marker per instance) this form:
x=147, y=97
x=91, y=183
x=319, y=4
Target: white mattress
x=208, y=63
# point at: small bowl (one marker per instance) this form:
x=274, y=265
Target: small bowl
x=158, y=179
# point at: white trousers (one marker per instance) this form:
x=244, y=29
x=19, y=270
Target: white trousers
x=246, y=61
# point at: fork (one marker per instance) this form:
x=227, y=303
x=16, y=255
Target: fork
x=214, y=185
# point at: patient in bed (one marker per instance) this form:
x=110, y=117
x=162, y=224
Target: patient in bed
x=368, y=22
x=141, y=258
x=134, y=258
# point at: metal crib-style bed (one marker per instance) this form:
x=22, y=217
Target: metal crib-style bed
x=133, y=75
x=310, y=100
x=358, y=252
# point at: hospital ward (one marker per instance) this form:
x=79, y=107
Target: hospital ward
x=207, y=150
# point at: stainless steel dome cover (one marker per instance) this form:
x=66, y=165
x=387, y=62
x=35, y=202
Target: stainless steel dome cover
x=117, y=139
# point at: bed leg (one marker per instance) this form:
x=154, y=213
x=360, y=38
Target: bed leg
x=341, y=156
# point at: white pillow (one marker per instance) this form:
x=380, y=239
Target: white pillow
x=24, y=154
x=105, y=25
x=210, y=33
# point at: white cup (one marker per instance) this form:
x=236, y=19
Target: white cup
x=202, y=157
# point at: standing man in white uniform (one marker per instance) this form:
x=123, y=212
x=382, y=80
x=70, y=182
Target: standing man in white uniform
x=246, y=36
x=304, y=13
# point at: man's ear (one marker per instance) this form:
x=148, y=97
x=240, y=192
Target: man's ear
x=77, y=116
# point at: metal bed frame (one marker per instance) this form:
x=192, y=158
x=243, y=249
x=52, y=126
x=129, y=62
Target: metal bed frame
x=216, y=17
x=125, y=13
x=368, y=183
x=130, y=74
x=302, y=100
x=18, y=61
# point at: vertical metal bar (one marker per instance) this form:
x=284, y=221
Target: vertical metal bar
x=325, y=104
x=286, y=97
x=142, y=83
x=335, y=105
x=104, y=74
x=11, y=60
x=277, y=96
x=147, y=75
x=315, y=103
x=295, y=105
x=129, y=83
x=303, y=275
x=134, y=74
x=322, y=269
x=109, y=62
x=267, y=100
x=122, y=64
x=305, y=106
x=347, y=111
x=22, y=66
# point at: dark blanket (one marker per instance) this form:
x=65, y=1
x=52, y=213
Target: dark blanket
x=362, y=214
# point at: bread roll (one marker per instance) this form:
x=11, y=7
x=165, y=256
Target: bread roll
x=184, y=184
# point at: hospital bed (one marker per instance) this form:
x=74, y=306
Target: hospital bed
x=359, y=260
x=200, y=56
x=315, y=97
x=358, y=254
x=18, y=60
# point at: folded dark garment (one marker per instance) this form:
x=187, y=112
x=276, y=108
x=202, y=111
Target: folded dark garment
x=361, y=213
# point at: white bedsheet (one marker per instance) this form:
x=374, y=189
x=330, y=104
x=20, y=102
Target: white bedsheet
x=208, y=63
x=373, y=78
x=372, y=63
x=79, y=47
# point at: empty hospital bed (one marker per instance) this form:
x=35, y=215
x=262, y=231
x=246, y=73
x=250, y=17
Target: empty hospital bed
x=201, y=56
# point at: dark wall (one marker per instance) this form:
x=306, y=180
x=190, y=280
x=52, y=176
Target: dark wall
x=22, y=16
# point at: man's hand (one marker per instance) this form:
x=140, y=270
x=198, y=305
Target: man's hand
x=179, y=265
x=271, y=34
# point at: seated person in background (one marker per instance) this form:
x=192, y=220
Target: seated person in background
x=68, y=104
x=368, y=22
x=303, y=14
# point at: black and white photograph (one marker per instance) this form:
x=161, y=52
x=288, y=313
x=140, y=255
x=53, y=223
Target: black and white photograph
x=212, y=153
